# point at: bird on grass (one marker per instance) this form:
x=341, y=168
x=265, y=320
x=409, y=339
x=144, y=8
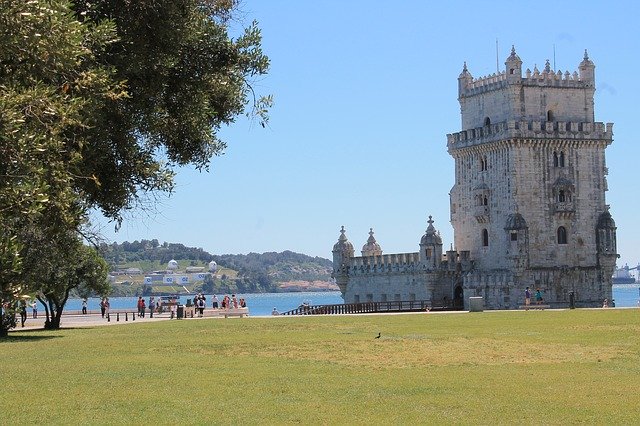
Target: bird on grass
x=378, y=336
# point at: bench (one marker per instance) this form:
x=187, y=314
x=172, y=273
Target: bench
x=239, y=312
x=534, y=306
x=234, y=313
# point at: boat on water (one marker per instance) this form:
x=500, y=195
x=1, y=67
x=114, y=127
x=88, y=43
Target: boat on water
x=622, y=280
x=623, y=275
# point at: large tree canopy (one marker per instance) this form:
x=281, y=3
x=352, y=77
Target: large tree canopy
x=185, y=78
x=100, y=100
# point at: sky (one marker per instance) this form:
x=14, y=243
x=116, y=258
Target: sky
x=365, y=93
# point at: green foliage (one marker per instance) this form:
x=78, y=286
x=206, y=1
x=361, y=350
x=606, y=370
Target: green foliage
x=56, y=265
x=99, y=102
x=545, y=367
x=51, y=89
x=185, y=79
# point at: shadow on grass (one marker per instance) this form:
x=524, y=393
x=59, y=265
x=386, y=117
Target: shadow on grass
x=35, y=334
x=28, y=336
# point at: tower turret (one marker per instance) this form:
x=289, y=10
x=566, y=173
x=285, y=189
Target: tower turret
x=342, y=254
x=372, y=248
x=587, y=70
x=431, y=247
x=514, y=67
x=464, y=80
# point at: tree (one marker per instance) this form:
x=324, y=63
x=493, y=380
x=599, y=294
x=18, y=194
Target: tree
x=58, y=264
x=50, y=88
x=99, y=106
x=185, y=79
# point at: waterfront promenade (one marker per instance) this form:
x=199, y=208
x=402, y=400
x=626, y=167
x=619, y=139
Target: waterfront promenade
x=74, y=319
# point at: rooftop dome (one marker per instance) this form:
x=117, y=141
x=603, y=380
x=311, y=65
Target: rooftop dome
x=172, y=265
x=213, y=266
x=563, y=181
x=343, y=243
x=431, y=236
x=605, y=221
x=372, y=248
x=515, y=222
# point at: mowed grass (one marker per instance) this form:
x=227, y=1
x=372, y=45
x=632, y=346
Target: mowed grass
x=536, y=367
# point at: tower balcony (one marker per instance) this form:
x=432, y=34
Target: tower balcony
x=481, y=213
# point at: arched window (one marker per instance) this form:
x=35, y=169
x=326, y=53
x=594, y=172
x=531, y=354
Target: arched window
x=549, y=115
x=561, y=196
x=555, y=159
x=484, y=163
x=561, y=158
x=485, y=238
x=562, y=235
x=485, y=201
x=487, y=121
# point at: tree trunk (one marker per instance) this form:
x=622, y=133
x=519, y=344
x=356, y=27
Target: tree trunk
x=53, y=322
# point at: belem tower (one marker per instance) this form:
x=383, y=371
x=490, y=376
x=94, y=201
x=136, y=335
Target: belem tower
x=527, y=206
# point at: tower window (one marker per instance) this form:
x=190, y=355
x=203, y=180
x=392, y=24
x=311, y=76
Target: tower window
x=485, y=238
x=514, y=236
x=549, y=115
x=558, y=159
x=487, y=121
x=484, y=164
x=511, y=70
x=562, y=235
x=428, y=253
x=561, y=196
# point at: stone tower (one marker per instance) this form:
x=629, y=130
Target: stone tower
x=528, y=201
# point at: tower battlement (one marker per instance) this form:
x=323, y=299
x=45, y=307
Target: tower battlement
x=512, y=75
x=531, y=130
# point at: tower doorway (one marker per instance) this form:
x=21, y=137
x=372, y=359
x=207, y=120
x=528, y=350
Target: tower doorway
x=458, y=298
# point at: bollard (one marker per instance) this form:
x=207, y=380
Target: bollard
x=191, y=314
x=108, y=317
x=117, y=316
x=572, y=301
x=126, y=316
x=133, y=316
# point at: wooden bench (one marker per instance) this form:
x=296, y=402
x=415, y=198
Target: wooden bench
x=534, y=306
x=239, y=312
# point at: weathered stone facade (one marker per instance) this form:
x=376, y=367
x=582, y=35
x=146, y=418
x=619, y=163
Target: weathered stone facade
x=527, y=206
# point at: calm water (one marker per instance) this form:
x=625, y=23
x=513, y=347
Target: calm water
x=625, y=295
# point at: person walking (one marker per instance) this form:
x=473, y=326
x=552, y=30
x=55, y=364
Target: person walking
x=139, y=306
x=84, y=307
x=527, y=296
x=539, y=298
x=23, y=312
x=103, y=306
x=152, y=306
x=34, y=309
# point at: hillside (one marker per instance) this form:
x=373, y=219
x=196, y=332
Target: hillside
x=250, y=273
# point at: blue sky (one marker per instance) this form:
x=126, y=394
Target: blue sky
x=365, y=93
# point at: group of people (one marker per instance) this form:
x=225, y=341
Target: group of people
x=142, y=307
x=607, y=304
x=538, y=296
x=104, y=307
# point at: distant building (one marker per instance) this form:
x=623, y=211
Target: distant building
x=527, y=205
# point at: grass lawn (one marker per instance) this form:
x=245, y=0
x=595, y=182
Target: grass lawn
x=536, y=367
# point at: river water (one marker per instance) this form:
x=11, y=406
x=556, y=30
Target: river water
x=261, y=304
